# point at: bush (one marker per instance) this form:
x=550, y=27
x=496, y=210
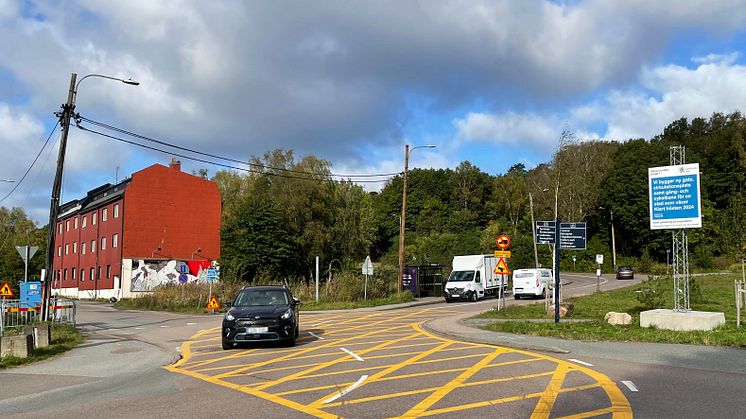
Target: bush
x=652, y=294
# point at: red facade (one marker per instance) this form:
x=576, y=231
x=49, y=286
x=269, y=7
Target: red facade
x=160, y=213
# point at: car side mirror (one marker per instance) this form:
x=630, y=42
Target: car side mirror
x=296, y=302
x=229, y=304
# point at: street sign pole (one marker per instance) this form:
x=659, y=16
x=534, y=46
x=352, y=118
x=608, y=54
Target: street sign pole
x=557, y=270
x=365, y=291
x=25, y=264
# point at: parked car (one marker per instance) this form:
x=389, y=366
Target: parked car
x=261, y=314
x=625, y=272
x=532, y=282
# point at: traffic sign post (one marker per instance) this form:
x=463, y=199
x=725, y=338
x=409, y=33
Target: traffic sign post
x=503, y=241
x=26, y=252
x=213, y=304
x=6, y=291
x=367, y=269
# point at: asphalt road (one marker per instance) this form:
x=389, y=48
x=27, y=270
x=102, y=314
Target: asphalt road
x=361, y=363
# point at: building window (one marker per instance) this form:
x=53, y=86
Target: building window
x=82, y=274
x=93, y=246
x=59, y=251
x=59, y=228
x=67, y=249
x=93, y=274
x=65, y=274
x=85, y=221
x=59, y=273
x=73, y=273
x=75, y=223
x=103, y=243
x=98, y=274
x=104, y=214
x=116, y=210
x=75, y=247
x=82, y=248
x=93, y=218
x=114, y=240
x=108, y=271
x=67, y=225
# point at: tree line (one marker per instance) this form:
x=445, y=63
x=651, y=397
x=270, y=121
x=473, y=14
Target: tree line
x=276, y=222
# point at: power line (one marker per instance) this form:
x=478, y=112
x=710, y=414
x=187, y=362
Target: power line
x=32, y=164
x=197, y=159
x=161, y=142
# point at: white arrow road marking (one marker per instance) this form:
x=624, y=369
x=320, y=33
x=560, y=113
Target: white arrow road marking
x=577, y=361
x=318, y=324
x=353, y=354
x=630, y=385
x=347, y=390
x=315, y=335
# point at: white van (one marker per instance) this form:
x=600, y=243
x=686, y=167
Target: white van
x=532, y=282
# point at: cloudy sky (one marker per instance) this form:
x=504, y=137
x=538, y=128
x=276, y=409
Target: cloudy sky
x=493, y=82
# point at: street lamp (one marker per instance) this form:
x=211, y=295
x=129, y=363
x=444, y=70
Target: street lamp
x=199, y=250
x=613, y=239
x=404, y=210
x=67, y=112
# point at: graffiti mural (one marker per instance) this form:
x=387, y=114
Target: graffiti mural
x=151, y=274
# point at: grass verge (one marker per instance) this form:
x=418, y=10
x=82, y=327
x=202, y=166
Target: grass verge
x=716, y=295
x=403, y=297
x=64, y=338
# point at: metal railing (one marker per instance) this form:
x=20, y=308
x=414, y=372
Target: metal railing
x=15, y=313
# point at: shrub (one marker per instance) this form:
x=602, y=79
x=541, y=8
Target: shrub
x=652, y=294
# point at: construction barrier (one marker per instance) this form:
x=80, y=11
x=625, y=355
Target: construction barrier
x=14, y=313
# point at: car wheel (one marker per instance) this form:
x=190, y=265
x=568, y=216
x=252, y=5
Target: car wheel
x=291, y=341
x=226, y=344
x=448, y=300
x=516, y=296
x=543, y=293
x=297, y=331
x=473, y=296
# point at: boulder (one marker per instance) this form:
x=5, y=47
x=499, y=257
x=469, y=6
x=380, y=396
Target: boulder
x=617, y=318
x=565, y=309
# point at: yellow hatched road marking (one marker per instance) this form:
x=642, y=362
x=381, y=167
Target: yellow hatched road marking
x=544, y=407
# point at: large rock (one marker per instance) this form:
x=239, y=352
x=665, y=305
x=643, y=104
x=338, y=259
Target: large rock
x=617, y=318
x=565, y=309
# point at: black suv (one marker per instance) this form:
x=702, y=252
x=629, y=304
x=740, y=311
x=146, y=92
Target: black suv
x=260, y=314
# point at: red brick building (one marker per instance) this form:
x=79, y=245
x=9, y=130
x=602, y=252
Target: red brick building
x=130, y=237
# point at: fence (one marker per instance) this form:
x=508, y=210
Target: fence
x=14, y=313
x=740, y=300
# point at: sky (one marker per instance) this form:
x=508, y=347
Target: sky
x=492, y=82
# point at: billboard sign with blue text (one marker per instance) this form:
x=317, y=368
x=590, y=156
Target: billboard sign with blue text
x=674, y=196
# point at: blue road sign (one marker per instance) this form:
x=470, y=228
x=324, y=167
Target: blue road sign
x=674, y=197
x=572, y=235
x=30, y=294
x=212, y=274
x=183, y=268
x=183, y=278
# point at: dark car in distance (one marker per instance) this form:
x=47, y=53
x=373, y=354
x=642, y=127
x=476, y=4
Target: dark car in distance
x=625, y=272
x=261, y=314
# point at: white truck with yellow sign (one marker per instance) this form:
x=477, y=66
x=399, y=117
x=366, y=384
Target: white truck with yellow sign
x=473, y=277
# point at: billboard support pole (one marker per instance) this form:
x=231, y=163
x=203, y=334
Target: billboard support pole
x=680, y=238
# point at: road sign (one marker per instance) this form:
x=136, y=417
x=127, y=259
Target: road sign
x=572, y=236
x=30, y=294
x=367, y=266
x=502, y=254
x=212, y=274
x=503, y=241
x=183, y=278
x=6, y=291
x=674, y=197
x=213, y=304
x=502, y=268
x=183, y=268
x=600, y=259
x=26, y=252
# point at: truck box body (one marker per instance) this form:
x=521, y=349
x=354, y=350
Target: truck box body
x=531, y=282
x=473, y=277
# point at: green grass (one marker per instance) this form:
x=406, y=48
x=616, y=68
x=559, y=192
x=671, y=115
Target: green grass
x=403, y=297
x=717, y=295
x=64, y=338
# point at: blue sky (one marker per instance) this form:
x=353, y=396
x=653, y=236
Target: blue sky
x=492, y=82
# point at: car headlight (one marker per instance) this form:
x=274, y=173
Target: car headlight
x=229, y=316
x=288, y=314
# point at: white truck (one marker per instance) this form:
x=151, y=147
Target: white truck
x=532, y=282
x=473, y=277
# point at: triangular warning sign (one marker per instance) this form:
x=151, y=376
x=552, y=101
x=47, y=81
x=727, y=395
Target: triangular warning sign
x=501, y=268
x=6, y=291
x=213, y=304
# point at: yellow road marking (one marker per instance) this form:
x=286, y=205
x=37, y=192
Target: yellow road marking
x=544, y=407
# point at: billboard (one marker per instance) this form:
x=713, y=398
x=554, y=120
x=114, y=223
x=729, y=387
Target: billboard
x=674, y=197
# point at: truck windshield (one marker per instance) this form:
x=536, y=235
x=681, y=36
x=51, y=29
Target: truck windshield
x=461, y=276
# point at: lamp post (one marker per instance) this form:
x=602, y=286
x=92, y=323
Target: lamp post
x=199, y=250
x=533, y=230
x=613, y=238
x=403, y=222
x=54, y=209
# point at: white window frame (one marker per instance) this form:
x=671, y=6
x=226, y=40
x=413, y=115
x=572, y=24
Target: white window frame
x=93, y=246
x=84, y=222
x=114, y=240
x=75, y=247
x=104, y=214
x=116, y=210
x=103, y=243
x=82, y=248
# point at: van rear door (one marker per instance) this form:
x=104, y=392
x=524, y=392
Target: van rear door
x=524, y=282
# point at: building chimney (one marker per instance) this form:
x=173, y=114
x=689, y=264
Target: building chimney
x=175, y=164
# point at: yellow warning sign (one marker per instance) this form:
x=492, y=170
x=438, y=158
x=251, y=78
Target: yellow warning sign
x=213, y=304
x=502, y=268
x=6, y=291
x=503, y=254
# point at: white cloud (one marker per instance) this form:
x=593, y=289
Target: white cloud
x=508, y=128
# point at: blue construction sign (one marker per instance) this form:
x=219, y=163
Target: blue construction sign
x=30, y=294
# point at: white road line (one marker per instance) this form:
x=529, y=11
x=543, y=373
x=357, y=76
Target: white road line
x=347, y=390
x=577, y=361
x=139, y=328
x=354, y=355
x=191, y=324
x=630, y=385
x=164, y=326
x=315, y=335
x=318, y=324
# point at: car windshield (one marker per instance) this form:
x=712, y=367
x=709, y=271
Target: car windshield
x=625, y=268
x=261, y=298
x=524, y=274
x=461, y=276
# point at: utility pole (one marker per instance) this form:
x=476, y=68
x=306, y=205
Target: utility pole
x=533, y=230
x=613, y=240
x=54, y=207
x=403, y=219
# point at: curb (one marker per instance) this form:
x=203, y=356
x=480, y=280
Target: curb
x=376, y=308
